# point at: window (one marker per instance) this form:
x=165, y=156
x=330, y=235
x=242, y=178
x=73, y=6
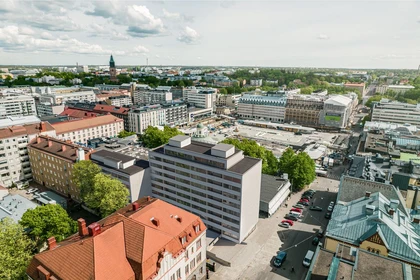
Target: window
x=198, y=244
x=173, y=277
x=197, y=228
x=187, y=270
x=186, y=254
x=183, y=240
x=178, y=273
x=192, y=264
x=199, y=257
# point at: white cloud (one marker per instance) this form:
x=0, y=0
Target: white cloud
x=157, y=56
x=176, y=16
x=139, y=20
x=323, y=37
x=26, y=31
x=141, y=49
x=97, y=30
x=46, y=35
x=12, y=40
x=189, y=36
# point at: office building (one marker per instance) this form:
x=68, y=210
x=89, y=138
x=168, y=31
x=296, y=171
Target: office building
x=396, y=112
x=216, y=182
x=255, y=82
x=79, y=131
x=14, y=160
x=337, y=111
x=151, y=96
x=52, y=162
x=17, y=105
x=304, y=109
x=119, y=101
x=148, y=239
x=132, y=172
x=228, y=100
x=49, y=109
x=157, y=115
x=395, y=88
x=61, y=96
x=200, y=97
x=269, y=108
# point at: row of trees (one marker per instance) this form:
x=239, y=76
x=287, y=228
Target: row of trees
x=153, y=137
x=300, y=167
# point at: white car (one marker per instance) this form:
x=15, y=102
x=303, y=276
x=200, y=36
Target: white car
x=31, y=190
x=331, y=206
x=285, y=225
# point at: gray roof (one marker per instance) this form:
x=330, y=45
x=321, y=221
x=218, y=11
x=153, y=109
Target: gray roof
x=14, y=206
x=114, y=156
x=351, y=223
x=244, y=165
x=270, y=187
x=50, y=197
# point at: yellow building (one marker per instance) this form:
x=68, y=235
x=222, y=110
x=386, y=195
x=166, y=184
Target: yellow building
x=52, y=162
x=375, y=224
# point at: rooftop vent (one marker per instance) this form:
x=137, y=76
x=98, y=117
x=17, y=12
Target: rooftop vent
x=94, y=229
x=155, y=221
x=370, y=209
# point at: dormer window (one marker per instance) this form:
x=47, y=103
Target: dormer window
x=183, y=240
x=197, y=228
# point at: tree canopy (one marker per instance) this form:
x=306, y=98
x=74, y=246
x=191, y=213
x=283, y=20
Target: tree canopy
x=125, y=133
x=107, y=194
x=49, y=220
x=252, y=149
x=84, y=173
x=300, y=168
x=15, y=250
x=154, y=137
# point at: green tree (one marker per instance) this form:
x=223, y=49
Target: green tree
x=286, y=160
x=154, y=137
x=302, y=171
x=125, y=133
x=49, y=220
x=84, y=173
x=223, y=91
x=107, y=195
x=15, y=250
x=373, y=99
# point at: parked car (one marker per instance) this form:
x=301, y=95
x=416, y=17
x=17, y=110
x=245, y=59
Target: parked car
x=304, y=199
x=31, y=190
x=290, y=222
x=328, y=215
x=299, y=206
x=297, y=214
x=320, y=233
x=315, y=241
x=279, y=259
x=296, y=210
x=291, y=217
x=285, y=225
x=308, y=258
x=303, y=202
x=331, y=206
x=315, y=208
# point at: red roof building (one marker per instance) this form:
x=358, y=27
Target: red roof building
x=148, y=239
x=78, y=114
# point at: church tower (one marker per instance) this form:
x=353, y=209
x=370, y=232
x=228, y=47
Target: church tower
x=112, y=70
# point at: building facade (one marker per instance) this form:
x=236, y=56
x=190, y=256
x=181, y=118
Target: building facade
x=216, y=182
x=61, y=97
x=17, y=105
x=49, y=109
x=151, y=96
x=256, y=82
x=337, y=111
x=79, y=131
x=148, y=239
x=228, y=100
x=269, y=108
x=52, y=162
x=304, y=110
x=119, y=101
x=396, y=112
x=14, y=159
x=357, y=87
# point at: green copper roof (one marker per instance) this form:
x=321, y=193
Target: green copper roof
x=111, y=59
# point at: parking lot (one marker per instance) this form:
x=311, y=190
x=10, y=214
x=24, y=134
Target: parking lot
x=253, y=260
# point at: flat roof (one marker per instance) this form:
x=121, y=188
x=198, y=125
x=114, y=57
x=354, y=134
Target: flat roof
x=180, y=138
x=49, y=196
x=114, y=156
x=244, y=165
x=14, y=206
x=222, y=147
x=270, y=186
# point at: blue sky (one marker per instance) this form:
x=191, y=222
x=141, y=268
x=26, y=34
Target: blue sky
x=357, y=34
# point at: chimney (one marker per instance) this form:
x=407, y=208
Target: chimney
x=43, y=127
x=155, y=222
x=391, y=211
x=416, y=220
x=38, y=140
x=149, y=198
x=135, y=206
x=83, y=231
x=51, y=243
x=367, y=194
x=94, y=229
x=63, y=148
x=179, y=219
x=49, y=143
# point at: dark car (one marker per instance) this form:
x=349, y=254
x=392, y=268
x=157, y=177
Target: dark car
x=279, y=259
x=306, y=197
x=303, y=203
x=328, y=215
x=315, y=241
x=315, y=208
x=320, y=233
x=291, y=217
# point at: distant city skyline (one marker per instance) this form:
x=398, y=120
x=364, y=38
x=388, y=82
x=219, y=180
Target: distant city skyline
x=322, y=34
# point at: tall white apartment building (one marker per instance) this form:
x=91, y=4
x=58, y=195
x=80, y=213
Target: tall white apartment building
x=157, y=115
x=396, y=112
x=216, y=182
x=121, y=100
x=14, y=159
x=151, y=96
x=200, y=97
x=79, y=131
x=269, y=108
x=17, y=105
x=60, y=97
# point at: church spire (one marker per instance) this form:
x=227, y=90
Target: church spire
x=111, y=62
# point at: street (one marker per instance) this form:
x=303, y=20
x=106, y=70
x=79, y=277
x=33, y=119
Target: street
x=254, y=260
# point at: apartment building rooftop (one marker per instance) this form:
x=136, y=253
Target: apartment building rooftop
x=63, y=149
x=21, y=120
x=129, y=244
x=14, y=206
x=78, y=114
x=17, y=130
x=111, y=109
x=74, y=125
x=116, y=160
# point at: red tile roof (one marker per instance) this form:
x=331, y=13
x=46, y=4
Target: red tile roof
x=111, y=109
x=78, y=114
x=27, y=129
x=129, y=244
x=74, y=125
